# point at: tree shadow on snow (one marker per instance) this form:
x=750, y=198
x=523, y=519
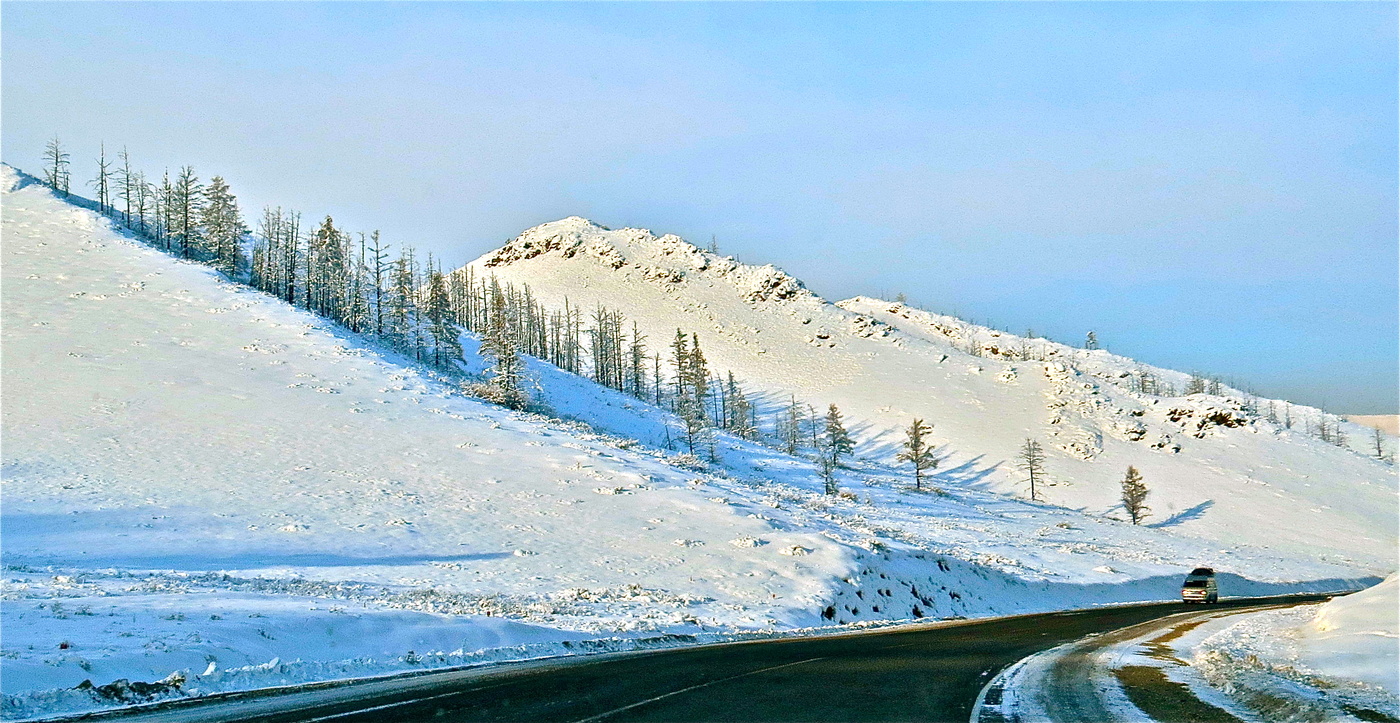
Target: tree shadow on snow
x=967, y=474
x=1191, y=513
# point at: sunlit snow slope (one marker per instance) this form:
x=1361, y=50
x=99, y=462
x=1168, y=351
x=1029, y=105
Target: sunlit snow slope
x=157, y=417
x=1214, y=470
x=202, y=482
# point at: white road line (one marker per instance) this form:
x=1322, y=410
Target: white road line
x=615, y=711
x=387, y=706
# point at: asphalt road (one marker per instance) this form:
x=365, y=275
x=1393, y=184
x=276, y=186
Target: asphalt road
x=917, y=672
x=1066, y=688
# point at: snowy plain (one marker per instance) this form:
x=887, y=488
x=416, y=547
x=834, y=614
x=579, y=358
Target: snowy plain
x=204, y=482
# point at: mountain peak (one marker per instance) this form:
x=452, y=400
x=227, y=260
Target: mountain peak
x=666, y=259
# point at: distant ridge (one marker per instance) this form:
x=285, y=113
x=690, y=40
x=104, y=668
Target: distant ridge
x=1388, y=423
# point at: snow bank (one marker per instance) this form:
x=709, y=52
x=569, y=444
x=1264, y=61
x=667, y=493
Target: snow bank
x=1326, y=660
x=1357, y=637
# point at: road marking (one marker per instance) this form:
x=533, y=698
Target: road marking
x=386, y=706
x=615, y=711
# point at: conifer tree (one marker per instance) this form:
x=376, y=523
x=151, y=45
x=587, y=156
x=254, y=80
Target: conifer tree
x=379, y=273
x=188, y=199
x=498, y=346
x=142, y=203
x=438, y=309
x=680, y=356
x=836, y=440
x=1032, y=463
x=223, y=226
x=1134, y=495
x=827, y=465
x=356, y=300
x=165, y=204
x=102, y=183
x=656, y=377
x=637, y=363
x=790, y=426
x=126, y=185
x=1378, y=438
x=404, y=306
x=918, y=451
x=692, y=391
x=739, y=412
x=326, y=271
x=56, y=167
x=699, y=374
x=834, y=443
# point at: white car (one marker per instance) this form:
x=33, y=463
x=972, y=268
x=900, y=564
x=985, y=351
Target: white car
x=1200, y=587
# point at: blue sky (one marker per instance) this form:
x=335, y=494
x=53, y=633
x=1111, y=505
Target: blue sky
x=1209, y=186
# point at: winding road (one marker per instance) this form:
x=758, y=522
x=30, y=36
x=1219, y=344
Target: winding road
x=923, y=672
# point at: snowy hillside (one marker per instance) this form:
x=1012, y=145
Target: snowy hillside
x=206, y=486
x=1216, y=469
x=157, y=417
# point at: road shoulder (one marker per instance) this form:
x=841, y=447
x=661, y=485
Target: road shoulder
x=1138, y=673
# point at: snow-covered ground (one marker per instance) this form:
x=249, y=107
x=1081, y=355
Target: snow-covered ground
x=201, y=481
x=1216, y=471
x=1314, y=662
x=157, y=417
x=1325, y=661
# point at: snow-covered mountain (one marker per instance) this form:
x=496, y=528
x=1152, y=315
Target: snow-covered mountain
x=1217, y=468
x=205, y=485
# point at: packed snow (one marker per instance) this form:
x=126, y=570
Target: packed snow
x=1334, y=661
x=207, y=487
x=1329, y=661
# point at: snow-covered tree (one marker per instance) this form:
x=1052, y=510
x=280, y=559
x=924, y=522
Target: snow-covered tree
x=918, y=451
x=438, y=309
x=143, y=203
x=835, y=439
x=609, y=364
x=188, y=199
x=404, y=312
x=691, y=390
x=835, y=443
x=1134, y=495
x=223, y=226
x=738, y=410
x=379, y=268
x=326, y=271
x=498, y=346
